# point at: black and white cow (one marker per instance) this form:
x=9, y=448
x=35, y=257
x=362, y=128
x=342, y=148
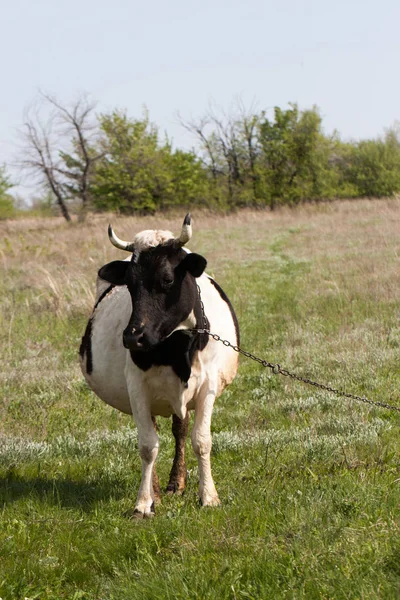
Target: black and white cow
x=139, y=354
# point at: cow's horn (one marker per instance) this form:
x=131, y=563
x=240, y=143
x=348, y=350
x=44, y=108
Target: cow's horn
x=186, y=232
x=128, y=246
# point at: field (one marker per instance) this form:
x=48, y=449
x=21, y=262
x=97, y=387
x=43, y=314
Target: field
x=309, y=483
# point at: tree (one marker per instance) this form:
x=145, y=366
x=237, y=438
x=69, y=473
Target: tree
x=60, y=149
x=6, y=201
x=293, y=154
x=373, y=166
x=189, y=182
x=228, y=144
x=130, y=177
x=137, y=173
x=248, y=125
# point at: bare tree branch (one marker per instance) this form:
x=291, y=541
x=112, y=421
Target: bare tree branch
x=198, y=128
x=61, y=148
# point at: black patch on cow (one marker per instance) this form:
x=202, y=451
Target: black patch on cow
x=114, y=272
x=226, y=299
x=86, y=343
x=176, y=351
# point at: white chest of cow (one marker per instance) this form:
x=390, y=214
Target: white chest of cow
x=140, y=356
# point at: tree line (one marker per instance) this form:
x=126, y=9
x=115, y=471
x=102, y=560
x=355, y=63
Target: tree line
x=112, y=162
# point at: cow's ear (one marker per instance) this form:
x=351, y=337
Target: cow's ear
x=194, y=264
x=114, y=272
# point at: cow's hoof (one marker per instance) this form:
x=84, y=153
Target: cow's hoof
x=149, y=515
x=210, y=501
x=175, y=488
x=137, y=513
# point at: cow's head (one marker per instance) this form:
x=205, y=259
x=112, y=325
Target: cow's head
x=161, y=281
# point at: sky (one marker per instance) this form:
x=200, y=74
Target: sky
x=179, y=55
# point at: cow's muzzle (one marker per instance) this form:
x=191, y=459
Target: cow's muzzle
x=134, y=339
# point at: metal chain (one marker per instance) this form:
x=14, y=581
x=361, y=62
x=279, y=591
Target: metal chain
x=277, y=369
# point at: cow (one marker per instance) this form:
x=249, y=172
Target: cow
x=141, y=352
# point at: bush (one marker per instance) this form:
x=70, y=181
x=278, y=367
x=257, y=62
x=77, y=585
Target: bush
x=373, y=166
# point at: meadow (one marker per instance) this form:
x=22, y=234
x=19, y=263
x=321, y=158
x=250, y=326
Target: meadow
x=309, y=482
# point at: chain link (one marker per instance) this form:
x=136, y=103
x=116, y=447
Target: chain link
x=278, y=370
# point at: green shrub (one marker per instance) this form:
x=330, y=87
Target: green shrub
x=373, y=166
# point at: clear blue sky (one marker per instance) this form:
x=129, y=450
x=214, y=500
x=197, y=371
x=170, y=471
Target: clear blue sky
x=174, y=55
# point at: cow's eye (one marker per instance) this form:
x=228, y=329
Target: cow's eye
x=167, y=282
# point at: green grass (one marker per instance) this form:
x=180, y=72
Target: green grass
x=309, y=483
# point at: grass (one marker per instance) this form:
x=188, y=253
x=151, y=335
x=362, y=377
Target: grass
x=309, y=483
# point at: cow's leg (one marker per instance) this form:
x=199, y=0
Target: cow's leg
x=148, y=444
x=155, y=480
x=177, y=477
x=201, y=441
x=148, y=449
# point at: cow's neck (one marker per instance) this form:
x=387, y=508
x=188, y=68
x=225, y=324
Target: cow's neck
x=177, y=350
